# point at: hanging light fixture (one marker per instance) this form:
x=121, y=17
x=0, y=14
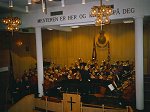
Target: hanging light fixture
x=10, y=3
x=83, y=1
x=101, y=13
x=44, y=6
x=62, y=3
x=27, y=8
x=29, y=2
x=12, y=23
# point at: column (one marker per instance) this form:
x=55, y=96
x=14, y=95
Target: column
x=39, y=56
x=139, y=63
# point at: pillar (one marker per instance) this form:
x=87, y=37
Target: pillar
x=139, y=63
x=39, y=56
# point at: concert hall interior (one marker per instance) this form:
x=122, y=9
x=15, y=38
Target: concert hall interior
x=56, y=57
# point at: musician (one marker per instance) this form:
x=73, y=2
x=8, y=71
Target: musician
x=84, y=73
x=34, y=83
x=47, y=84
x=128, y=89
x=26, y=85
x=70, y=74
x=78, y=76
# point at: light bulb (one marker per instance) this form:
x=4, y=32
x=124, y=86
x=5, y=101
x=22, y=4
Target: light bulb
x=10, y=3
x=106, y=20
x=29, y=2
x=93, y=12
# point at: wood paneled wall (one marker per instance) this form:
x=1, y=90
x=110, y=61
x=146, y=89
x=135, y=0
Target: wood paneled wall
x=66, y=47
x=20, y=64
x=146, y=49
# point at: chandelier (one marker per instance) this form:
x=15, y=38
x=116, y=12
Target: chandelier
x=12, y=23
x=101, y=13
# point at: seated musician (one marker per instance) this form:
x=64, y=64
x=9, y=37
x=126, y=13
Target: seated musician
x=70, y=74
x=78, y=76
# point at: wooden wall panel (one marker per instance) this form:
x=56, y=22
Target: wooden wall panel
x=122, y=42
x=146, y=49
x=66, y=47
x=20, y=64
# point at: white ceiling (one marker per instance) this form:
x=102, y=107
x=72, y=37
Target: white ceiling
x=19, y=5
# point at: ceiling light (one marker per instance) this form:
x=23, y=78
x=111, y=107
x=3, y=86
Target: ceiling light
x=27, y=8
x=62, y=3
x=50, y=0
x=19, y=43
x=36, y=1
x=49, y=28
x=75, y=26
x=29, y=2
x=128, y=21
x=83, y=1
x=12, y=23
x=44, y=7
x=102, y=13
x=10, y=3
